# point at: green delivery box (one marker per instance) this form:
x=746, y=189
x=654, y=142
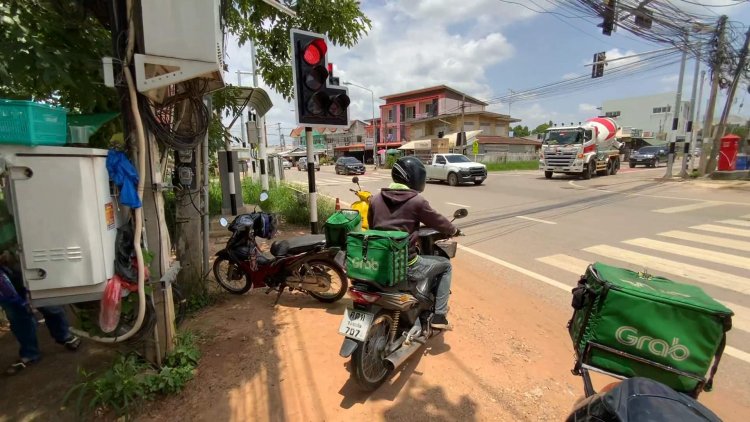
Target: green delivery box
x=632, y=324
x=378, y=256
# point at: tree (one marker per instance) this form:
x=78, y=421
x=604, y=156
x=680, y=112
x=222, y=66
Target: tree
x=520, y=131
x=542, y=128
x=51, y=50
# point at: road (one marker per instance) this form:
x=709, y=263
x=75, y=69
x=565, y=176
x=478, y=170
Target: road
x=548, y=231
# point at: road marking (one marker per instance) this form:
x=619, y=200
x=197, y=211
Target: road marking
x=535, y=219
x=691, y=252
x=743, y=223
x=746, y=217
x=689, y=207
x=458, y=205
x=741, y=318
x=566, y=262
x=691, y=272
x=723, y=230
x=709, y=240
x=646, y=195
x=729, y=350
x=524, y=271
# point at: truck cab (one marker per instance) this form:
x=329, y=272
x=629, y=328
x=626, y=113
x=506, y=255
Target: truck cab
x=456, y=169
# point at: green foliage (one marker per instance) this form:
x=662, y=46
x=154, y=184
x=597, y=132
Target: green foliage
x=390, y=161
x=541, y=128
x=521, y=131
x=130, y=380
x=513, y=165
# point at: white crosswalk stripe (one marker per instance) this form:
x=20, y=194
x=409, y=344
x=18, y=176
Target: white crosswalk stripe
x=743, y=223
x=721, y=229
x=566, y=262
x=689, y=207
x=708, y=240
x=741, y=318
x=697, y=253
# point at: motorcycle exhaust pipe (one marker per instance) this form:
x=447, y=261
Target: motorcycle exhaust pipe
x=399, y=356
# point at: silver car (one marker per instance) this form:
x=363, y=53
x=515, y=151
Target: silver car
x=302, y=165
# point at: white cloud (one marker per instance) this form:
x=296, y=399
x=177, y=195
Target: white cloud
x=571, y=75
x=588, y=108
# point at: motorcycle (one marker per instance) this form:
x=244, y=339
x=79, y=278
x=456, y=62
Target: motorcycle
x=389, y=324
x=304, y=263
x=363, y=205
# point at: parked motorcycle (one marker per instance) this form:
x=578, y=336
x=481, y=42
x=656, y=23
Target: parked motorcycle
x=363, y=205
x=389, y=324
x=304, y=263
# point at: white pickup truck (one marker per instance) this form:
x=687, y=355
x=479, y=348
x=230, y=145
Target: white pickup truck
x=456, y=169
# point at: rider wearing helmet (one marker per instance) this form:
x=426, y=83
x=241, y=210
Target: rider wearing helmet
x=401, y=207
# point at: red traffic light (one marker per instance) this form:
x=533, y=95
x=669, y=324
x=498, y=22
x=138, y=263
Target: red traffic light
x=315, y=51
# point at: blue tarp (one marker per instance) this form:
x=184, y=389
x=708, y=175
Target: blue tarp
x=122, y=172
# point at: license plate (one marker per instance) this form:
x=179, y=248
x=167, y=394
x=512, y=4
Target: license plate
x=356, y=324
x=477, y=177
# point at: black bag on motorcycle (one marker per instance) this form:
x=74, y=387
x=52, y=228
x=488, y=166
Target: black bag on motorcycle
x=339, y=225
x=642, y=400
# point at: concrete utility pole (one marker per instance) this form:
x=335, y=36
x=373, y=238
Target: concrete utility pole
x=312, y=191
x=676, y=117
x=708, y=148
x=728, y=105
x=689, y=141
x=263, y=157
x=243, y=133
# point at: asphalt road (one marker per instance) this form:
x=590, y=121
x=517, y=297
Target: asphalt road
x=549, y=230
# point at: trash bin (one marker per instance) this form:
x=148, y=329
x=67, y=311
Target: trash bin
x=728, y=152
x=742, y=162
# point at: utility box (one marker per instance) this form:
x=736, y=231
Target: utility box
x=65, y=218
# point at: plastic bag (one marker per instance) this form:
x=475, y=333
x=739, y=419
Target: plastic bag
x=109, y=310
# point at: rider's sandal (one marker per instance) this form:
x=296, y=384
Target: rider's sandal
x=19, y=366
x=72, y=343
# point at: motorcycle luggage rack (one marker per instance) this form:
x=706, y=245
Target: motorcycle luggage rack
x=582, y=368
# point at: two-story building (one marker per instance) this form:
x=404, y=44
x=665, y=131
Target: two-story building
x=435, y=111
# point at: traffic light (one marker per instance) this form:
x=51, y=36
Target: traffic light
x=318, y=101
x=608, y=25
x=597, y=70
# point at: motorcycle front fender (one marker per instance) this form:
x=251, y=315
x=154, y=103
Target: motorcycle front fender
x=223, y=254
x=348, y=347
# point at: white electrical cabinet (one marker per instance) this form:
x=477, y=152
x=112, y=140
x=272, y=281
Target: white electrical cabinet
x=66, y=220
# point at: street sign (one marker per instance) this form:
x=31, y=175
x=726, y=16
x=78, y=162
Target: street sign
x=475, y=148
x=369, y=143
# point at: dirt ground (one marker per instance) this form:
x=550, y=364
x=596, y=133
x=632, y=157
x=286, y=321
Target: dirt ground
x=508, y=358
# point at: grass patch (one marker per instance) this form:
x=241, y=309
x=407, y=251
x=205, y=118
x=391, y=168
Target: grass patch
x=130, y=381
x=513, y=165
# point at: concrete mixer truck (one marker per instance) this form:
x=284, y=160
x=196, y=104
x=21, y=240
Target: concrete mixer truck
x=584, y=150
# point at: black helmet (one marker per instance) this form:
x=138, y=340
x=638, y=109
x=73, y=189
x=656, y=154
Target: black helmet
x=411, y=172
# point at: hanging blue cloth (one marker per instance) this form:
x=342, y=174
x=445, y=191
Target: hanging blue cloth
x=122, y=172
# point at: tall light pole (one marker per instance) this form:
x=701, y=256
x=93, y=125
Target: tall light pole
x=372, y=122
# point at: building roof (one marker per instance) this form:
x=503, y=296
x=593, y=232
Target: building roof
x=468, y=113
x=431, y=89
x=504, y=140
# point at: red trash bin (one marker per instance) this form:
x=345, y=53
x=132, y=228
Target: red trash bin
x=728, y=152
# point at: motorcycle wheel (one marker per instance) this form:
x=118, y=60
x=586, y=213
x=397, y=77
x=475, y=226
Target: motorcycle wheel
x=337, y=290
x=369, y=367
x=231, y=277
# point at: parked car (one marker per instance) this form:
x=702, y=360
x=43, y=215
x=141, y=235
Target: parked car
x=456, y=169
x=648, y=156
x=286, y=164
x=302, y=165
x=349, y=165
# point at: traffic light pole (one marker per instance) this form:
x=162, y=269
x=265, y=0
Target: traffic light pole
x=312, y=191
x=676, y=117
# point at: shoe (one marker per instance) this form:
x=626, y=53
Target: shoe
x=20, y=365
x=440, y=322
x=72, y=343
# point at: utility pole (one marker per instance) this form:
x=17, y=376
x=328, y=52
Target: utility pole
x=261, y=122
x=728, y=105
x=689, y=141
x=510, y=99
x=243, y=134
x=676, y=117
x=693, y=163
x=462, y=135
x=312, y=191
x=708, y=148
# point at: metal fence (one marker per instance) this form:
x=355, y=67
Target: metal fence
x=505, y=157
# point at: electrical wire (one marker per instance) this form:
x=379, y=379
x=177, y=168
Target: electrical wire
x=182, y=119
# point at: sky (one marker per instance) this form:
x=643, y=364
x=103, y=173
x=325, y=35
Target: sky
x=488, y=47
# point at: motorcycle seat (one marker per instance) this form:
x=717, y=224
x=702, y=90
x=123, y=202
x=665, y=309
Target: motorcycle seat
x=297, y=245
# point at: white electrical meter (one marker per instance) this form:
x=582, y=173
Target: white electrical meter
x=66, y=220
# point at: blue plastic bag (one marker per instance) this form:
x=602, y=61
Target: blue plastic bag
x=122, y=172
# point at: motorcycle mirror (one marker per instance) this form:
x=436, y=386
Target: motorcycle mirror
x=223, y=221
x=461, y=213
x=355, y=179
x=263, y=196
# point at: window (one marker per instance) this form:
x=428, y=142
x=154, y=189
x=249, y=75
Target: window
x=440, y=160
x=666, y=109
x=428, y=108
x=612, y=114
x=411, y=112
x=390, y=115
x=469, y=125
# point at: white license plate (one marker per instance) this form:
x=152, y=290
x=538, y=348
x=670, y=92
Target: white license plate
x=356, y=324
x=477, y=177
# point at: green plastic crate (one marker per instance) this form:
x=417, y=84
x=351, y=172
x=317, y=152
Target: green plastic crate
x=30, y=123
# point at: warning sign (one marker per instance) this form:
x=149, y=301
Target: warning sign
x=109, y=213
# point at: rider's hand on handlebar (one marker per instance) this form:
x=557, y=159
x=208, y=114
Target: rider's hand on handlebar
x=458, y=233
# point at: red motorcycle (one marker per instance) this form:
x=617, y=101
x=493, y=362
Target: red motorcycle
x=304, y=263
